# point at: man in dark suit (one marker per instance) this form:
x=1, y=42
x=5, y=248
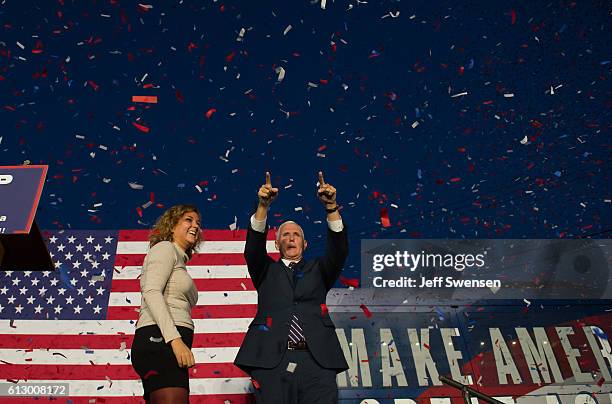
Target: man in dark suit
x=291, y=350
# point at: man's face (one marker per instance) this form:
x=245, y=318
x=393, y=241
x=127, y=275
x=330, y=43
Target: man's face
x=291, y=243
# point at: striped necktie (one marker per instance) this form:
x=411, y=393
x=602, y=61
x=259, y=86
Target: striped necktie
x=295, y=331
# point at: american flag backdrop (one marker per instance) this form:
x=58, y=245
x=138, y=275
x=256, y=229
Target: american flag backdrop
x=75, y=324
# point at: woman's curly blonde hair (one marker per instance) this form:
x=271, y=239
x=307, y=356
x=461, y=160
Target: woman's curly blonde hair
x=162, y=230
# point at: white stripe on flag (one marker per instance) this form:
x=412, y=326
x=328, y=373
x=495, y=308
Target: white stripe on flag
x=204, y=298
x=102, y=356
x=207, y=247
x=113, y=327
x=196, y=272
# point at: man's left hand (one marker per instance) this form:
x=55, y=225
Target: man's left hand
x=326, y=192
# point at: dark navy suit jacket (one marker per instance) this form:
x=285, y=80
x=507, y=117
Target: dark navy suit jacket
x=281, y=294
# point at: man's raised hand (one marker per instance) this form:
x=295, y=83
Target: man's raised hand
x=326, y=192
x=267, y=193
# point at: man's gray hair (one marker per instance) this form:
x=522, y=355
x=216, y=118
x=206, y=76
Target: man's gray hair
x=280, y=229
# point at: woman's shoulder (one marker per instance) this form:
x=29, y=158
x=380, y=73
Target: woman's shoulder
x=163, y=247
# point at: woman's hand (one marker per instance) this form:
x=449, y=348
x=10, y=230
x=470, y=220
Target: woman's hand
x=183, y=354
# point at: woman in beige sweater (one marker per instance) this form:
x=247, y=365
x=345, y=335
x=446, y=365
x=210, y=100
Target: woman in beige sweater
x=161, y=349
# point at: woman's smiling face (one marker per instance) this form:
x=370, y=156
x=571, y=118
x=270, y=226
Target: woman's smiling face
x=186, y=232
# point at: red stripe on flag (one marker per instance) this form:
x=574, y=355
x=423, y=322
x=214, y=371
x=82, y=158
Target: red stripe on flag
x=115, y=372
x=198, y=259
x=198, y=312
x=95, y=341
x=203, y=285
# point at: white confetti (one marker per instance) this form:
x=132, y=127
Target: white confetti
x=134, y=185
x=241, y=35
x=524, y=140
x=281, y=73
x=459, y=94
x=287, y=29
x=527, y=302
x=234, y=226
x=291, y=367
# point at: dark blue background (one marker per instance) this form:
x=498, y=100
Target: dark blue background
x=461, y=173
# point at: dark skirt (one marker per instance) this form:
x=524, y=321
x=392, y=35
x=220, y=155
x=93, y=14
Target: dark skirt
x=154, y=360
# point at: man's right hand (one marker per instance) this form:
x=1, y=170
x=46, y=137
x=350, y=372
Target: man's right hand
x=183, y=354
x=267, y=193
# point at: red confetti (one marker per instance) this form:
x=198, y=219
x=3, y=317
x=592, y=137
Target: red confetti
x=365, y=310
x=139, y=211
x=269, y=322
x=150, y=373
x=38, y=48
x=513, y=16
x=140, y=127
x=179, y=96
x=255, y=383
x=93, y=85
x=600, y=382
x=426, y=345
x=230, y=57
x=349, y=282
x=210, y=112
x=384, y=217
x=324, y=309
x=144, y=7
x=151, y=99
